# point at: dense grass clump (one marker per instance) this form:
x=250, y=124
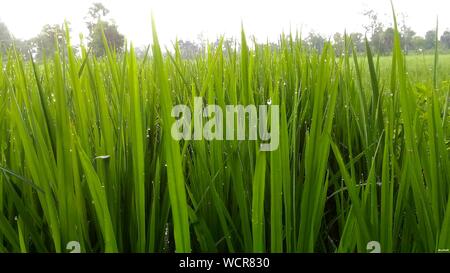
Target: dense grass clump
x=86, y=152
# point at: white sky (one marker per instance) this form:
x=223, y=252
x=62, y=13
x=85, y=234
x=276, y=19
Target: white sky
x=211, y=18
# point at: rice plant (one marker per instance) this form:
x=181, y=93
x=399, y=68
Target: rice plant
x=86, y=152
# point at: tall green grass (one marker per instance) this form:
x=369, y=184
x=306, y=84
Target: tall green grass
x=86, y=153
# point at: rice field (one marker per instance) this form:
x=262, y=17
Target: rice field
x=87, y=157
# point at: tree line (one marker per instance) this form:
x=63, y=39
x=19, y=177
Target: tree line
x=380, y=38
x=97, y=23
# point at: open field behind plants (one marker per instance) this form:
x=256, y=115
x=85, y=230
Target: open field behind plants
x=86, y=152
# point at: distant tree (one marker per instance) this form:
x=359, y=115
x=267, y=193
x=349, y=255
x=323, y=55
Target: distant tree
x=445, y=39
x=388, y=40
x=229, y=44
x=374, y=25
x=7, y=41
x=114, y=39
x=357, y=39
x=97, y=25
x=419, y=43
x=24, y=47
x=140, y=52
x=44, y=42
x=338, y=43
x=407, y=36
x=377, y=41
x=188, y=49
x=5, y=38
x=96, y=13
x=380, y=39
x=430, y=39
x=316, y=41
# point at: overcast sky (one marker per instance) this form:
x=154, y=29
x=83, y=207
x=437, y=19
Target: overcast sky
x=186, y=19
